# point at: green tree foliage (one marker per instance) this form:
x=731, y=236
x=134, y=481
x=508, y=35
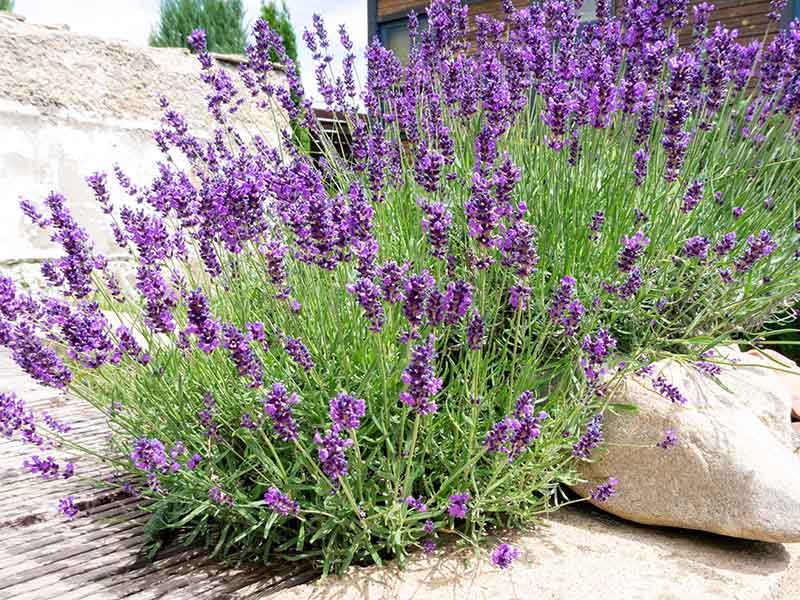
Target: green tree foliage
x=222, y=20
x=7, y=5
x=278, y=19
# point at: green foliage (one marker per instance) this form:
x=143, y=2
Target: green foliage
x=7, y=5
x=222, y=20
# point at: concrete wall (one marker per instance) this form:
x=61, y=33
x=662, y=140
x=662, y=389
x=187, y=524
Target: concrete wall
x=73, y=104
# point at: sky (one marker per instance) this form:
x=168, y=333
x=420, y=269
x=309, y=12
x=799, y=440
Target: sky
x=132, y=20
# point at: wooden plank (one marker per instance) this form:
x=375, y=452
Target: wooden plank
x=399, y=7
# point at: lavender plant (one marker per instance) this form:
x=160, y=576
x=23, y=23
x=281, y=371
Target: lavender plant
x=344, y=359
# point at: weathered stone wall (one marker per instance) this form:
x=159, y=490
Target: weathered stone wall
x=74, y=104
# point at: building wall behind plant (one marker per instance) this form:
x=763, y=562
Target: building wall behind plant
x=73, y=104
x=748, y=16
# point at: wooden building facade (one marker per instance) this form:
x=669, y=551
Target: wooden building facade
x=387, y=19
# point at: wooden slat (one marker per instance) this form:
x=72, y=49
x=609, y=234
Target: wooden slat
x=398, y=7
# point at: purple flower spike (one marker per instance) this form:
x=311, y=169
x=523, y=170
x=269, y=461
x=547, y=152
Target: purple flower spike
x=515, y=433
x=391, y=278
x=217, y=496
x=697, y=247
x=201, y=323
x=149, y=455
x=564, y=308
x=668, y=390
x=346, y=411
x=331, y=454
x=46, y=468
x=417, y=505
x=197, y=40
x=597, y=349
x=475, y=331
x=299, y=353
x=16, y=416
x=504, y=555
x=66, y=507
x=709, y=368
x=691, y=199
x=420, y=380
x=596, y=225
x=604, y=491
x=278, y=405
x=590, y=440
x=368, y=296
x=726, y=244
x=641, y=160
x=633, y=249
x=758, y=247
x=242, y=355
x=458, y=505
x=280, y=503
x=417, y=289
x=36, y=359
x=518, y=246
x=436, y=223
x=669, y=441
x=195, y=460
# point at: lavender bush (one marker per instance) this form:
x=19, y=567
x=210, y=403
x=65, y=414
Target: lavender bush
x=345, y=359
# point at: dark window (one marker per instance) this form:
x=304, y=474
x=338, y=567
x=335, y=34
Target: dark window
x=394, y=35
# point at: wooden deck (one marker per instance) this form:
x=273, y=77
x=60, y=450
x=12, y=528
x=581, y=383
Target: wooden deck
x=98, y=554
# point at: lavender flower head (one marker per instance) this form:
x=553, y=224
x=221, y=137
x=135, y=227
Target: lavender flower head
x=242, y=355
x=697, y=247
x=564, y=309
x=201, y=323
x=641, y=160
x=604, y=491
x=66, y=507
x=591, y=439
x=368, y=296
x=419, y=379
x=515, y=433
x=417, y=505
x=457, y=506
x=217, y=496
x=694, y=193
x=331, y=454
x=726, y=244
x=346, y=411
x=669, y=441
x=596, y=225
x=280, y=503
x=504, y=555
x=669, y=390
x=758, y=247
x=633, y=248
x=149, y=455
x=299, y=353
x=475, y=331
x=278, y=405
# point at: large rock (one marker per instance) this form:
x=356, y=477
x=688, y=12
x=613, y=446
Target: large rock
x=733, y=471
